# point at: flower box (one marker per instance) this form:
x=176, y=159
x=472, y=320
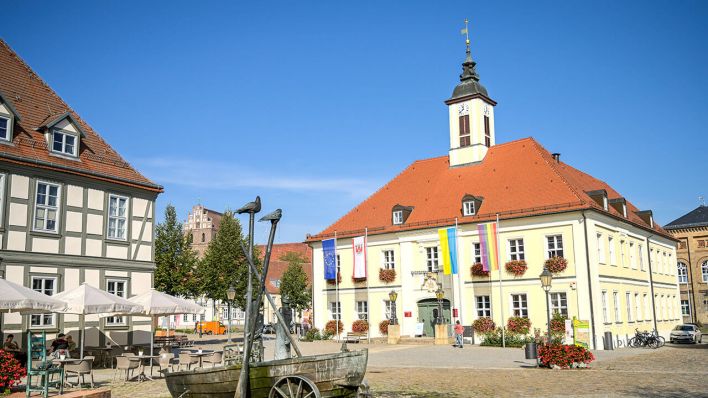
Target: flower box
x=360, y=326
x=516, y=267
x=383, y=327
x=518, y=325
x=564, y=356
x=387, y=275
x=478, y=270
x=331, y=327
x=483, y=325
x=556, y=264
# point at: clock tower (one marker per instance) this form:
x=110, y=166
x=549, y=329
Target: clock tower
x=471, y=117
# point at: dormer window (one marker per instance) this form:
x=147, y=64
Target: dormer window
x=604, y=203
x=619, y=204
x=468, y=208
x=4, y=128
x=64, y=143
x=600, y=197
x=8, y=116
x=398, y=217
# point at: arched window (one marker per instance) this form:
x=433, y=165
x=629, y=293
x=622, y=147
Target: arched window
x=203, y=237
x=704, y=271
x=682, y=273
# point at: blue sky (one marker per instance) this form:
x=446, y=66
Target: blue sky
x=314, y=105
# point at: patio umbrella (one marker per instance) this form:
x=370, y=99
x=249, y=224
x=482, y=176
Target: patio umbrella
x=87, y=299
x=17, y=298
x=156, y=304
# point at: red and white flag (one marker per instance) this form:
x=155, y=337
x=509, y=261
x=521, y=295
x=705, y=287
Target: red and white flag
x=359, y=249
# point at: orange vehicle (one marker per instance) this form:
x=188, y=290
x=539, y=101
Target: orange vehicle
x=211, y=327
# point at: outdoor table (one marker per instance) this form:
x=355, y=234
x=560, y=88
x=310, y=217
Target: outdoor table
x=201, y=355
x=142, y=376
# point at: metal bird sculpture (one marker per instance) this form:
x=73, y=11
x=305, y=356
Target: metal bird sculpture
x=251, y=207
x=273, y=216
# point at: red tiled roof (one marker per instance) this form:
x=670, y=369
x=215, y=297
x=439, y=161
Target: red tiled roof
x=37, y=104
x=277, y=266
x=515, y=179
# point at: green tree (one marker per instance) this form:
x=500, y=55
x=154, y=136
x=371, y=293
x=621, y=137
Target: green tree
x=175, y=261
x=294, y=283
x=225, y=263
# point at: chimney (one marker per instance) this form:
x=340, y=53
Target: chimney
x=556, y=157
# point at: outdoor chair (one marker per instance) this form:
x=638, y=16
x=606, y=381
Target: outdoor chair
x=43, y=368
x=187, y=360
x=80, y=368
x=214, y=359
x=127, y=364
x=166, y=361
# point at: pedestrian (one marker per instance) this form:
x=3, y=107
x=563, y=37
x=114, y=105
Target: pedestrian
x=459, y=330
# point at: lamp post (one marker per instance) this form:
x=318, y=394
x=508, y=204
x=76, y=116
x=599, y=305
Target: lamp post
x=440, y=294
x=393, y=296
x=546, y=279
x=231, y=294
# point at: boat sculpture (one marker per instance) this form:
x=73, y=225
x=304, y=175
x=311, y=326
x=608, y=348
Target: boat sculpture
x=337, y=374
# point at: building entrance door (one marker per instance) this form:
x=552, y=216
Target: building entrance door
x=428, y=313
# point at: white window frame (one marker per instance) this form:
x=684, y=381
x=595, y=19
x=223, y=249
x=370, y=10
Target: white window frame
x=624, y=263
x=8, y=129
x=389, y=259
x=600, y=249
x=616, y=302
x=638, y=307
x=46, y=207
x=632, y=258
x=398, y=217
x=554, y=246
x=335, y=310
x=113, y=235
x=685, y=310
x=611, y=247
x=63, y=150
x=559, y=303
x=46, y=321
x=628, y=306
x=468, y=208
x=432, y=258
x=704, y=271
x=388, y=309
x=518, y=249
x=605, y=316
x=362, y=310
x=640, y=252
x=519, y=305
x=647, y=310
x=477, y=252
x=117, y=320
x=2, y=196
x=483, y=306
x=681, y=273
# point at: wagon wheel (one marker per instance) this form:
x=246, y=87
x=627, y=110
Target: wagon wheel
x=294, y=387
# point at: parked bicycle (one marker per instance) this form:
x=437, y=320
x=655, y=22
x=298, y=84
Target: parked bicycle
x=646, y=339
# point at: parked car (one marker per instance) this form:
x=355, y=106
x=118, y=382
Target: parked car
x=686, y=332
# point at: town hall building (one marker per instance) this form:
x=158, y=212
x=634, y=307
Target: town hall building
x=621, y=265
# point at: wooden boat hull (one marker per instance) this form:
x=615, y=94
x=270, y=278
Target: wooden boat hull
x=336, y=375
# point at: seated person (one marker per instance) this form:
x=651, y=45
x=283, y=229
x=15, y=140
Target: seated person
x=71, y=343
x=59, y=346
x=12, y=347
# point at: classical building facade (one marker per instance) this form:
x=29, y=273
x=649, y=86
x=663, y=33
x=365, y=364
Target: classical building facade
x=691, y=230
x=620, y=272
x=73, y=211
x=202, y=224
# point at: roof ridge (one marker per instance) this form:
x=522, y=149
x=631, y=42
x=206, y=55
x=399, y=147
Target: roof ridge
x=539, y=148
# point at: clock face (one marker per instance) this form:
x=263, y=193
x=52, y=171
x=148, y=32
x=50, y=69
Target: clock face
x=486, y=110
x=463, y=109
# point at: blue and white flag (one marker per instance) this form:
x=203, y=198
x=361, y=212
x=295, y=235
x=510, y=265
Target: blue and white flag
x=330, y=259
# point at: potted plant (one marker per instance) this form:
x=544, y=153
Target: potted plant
x=387, y=275
x=516, y=267
x=483, y=325
x=11, y=372
x=478, y=270
x=333, y=327
x=360, y=326
x=556, y=264
x=518, y=325
x=383, y=327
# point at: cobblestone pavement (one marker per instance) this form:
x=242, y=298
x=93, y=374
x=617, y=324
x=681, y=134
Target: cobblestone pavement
x=440, y=371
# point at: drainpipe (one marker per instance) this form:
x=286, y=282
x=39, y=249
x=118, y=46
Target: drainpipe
x=691, y=288
x=651, y=285
x=587, y=261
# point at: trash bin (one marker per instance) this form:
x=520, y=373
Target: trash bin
x=531, y=350
x=607, y=342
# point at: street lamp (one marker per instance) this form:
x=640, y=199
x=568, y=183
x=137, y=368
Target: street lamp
x=546, y=279
x=440, y=294
x=393, y=296
x=231, y=294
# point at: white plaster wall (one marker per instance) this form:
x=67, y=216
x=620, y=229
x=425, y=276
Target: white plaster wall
x=122, y=274
x=66, y=125
x=147, y=234
x=71, y=281
x=94, y=224
x=73, y=221
x=144, y=253
x=92, y=277
x=18, y=214
x=93, y=247
x=139, y=207
x=16, y=240
x=115, y=251
x=16, y=274
x=44, y=245
x=44, y=270
x=75, y=196
x=141, y=282
x=72, y=245
x=95, y=199
x=4, y=109
x=20, y=187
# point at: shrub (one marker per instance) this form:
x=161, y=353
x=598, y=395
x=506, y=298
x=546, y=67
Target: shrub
x=518, y=325
x=383, y=327
x=387, y=275
x=333, y=327
x=360, y=326
x=556, y=264
x=564, y=356
x=483, y=325
x=478, y=270
x=11, y=371
x=494, y=339
x=326, y=335
x=339, y=279
x=516, y=267
x=312, y=335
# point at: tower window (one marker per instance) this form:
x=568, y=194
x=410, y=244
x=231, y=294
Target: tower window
x=487, y=136
x=465, y=131
x=203, y=237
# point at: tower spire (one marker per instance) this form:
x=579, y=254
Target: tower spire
x=469, y=70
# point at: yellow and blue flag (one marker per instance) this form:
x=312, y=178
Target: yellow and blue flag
x=448, y=247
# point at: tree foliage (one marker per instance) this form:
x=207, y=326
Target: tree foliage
x=175, y=261
x=294, y=283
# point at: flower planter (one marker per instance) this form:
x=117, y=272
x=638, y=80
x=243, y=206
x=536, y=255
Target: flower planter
x=483, y=325
x=360, y=326
x=556, y=264
x=478, y=270
x=518, y=325
x=387, y=275
x=516, y=267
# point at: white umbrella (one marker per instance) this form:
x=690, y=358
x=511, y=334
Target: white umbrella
x=17, y=298
x=157, y=303
x=87, y=299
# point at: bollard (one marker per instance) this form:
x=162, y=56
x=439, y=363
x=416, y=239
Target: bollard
x=607, y=341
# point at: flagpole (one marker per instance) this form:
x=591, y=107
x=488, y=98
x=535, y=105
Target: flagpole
x=501, y=294
x=459, y=274
x=336, y=286
x=366, y=270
